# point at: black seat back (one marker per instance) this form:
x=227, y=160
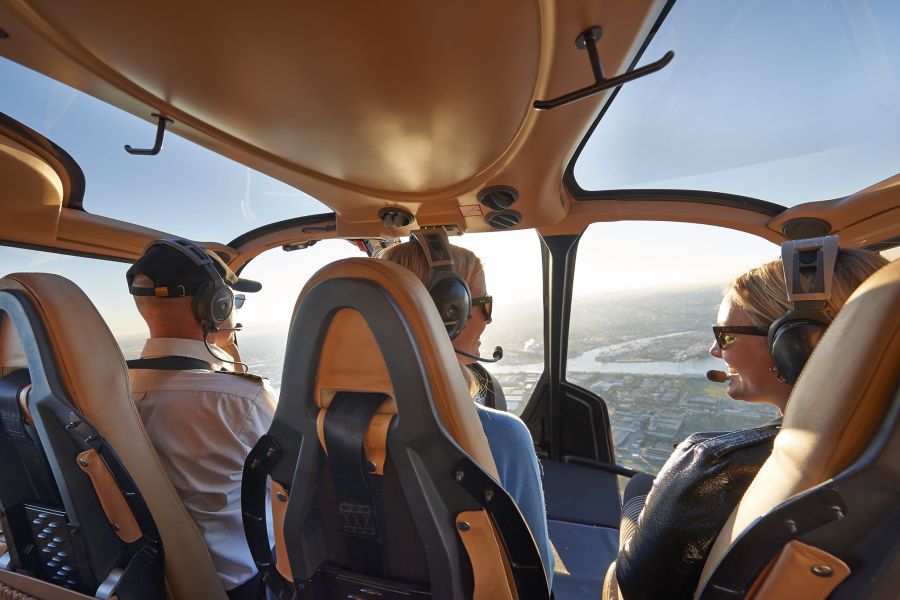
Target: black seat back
x=378, y=462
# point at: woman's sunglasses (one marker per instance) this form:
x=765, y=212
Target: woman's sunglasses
x=239, y=300
x=725, y=335
x=486, y=304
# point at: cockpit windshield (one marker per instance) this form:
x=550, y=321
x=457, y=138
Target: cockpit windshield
x=185, y=190
x=786, y=102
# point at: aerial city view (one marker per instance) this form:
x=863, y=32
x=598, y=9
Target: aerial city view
x=644, y=353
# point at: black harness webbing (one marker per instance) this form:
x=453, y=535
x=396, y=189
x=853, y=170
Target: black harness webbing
x=357, y=490
x=169, y=363
x=23, y=438
x=262, y=458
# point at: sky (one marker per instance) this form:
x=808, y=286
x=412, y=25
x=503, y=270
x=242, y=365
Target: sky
x=785, y=102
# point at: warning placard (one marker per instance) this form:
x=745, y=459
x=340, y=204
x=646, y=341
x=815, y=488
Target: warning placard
x=471, y=210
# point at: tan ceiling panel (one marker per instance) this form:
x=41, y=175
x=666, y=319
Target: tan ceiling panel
x=361, y=104
x=365, y=104
x=402, y=95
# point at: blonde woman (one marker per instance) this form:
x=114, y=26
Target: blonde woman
x=707, y=474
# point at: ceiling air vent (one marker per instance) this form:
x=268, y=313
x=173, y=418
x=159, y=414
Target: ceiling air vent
x=498, y=197
x=503, y=219
x=395, y=217
x=805, y=227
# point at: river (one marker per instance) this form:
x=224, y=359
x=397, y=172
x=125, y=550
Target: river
x=587, y=362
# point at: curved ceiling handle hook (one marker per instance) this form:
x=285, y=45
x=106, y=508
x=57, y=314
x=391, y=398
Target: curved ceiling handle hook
x=157, y=145
x=587, y=40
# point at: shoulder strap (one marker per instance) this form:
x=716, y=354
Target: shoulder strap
x=357, y=488
x=169, y=363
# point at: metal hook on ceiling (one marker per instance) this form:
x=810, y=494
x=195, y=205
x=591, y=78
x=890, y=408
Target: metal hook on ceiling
x=587, y=40
x=157, y=145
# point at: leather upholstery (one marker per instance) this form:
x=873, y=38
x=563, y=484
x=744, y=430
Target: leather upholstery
x=351, y=360
x=279, y=499
x=792, y=574
x=486, y=553
x=836, y=406
x=350, y=353
x=12, y=356
x=114, y=504
x=15, y=586
x=92, y=370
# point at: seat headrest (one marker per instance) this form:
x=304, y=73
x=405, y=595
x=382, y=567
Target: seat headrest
x=836, y=406
x=88, y=360
x=351, y=358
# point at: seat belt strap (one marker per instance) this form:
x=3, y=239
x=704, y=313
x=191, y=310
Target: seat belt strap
x=170, y=363
x=356, y=488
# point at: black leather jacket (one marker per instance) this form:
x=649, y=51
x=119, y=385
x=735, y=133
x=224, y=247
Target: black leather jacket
x=692, y=497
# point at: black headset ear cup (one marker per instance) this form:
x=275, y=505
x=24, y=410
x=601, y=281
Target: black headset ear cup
x=792, y=338
x=222, y=305
x=212, y=303
x=453, y=300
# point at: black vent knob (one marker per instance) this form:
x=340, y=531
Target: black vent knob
x=498, y=197
x=395, y=217
x=503, y=219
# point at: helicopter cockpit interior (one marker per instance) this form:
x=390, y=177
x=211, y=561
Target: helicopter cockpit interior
x=613, y=165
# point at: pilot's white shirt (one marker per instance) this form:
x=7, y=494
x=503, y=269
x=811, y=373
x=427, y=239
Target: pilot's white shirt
x=203, y=425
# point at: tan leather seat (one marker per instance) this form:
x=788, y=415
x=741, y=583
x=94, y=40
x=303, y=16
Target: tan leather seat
x=369, y=326
x=92, y=372
x=840, y=434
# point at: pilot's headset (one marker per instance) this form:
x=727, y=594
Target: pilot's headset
x=808, y=274
x=213, y=300
x=449, y=291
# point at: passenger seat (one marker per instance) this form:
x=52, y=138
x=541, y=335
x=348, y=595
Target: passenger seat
x=384, y=484
x=91, y=443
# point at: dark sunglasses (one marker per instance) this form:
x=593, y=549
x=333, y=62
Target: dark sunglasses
x=725, y=335
x=486, y=304
x=239, y=300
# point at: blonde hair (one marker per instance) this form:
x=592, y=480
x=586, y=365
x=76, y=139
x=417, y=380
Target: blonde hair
x=761, y=292
x=466, y=264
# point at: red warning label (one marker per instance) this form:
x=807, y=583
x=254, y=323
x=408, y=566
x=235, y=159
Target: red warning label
x=471, y=210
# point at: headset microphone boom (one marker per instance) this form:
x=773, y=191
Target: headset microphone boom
x=497, y=355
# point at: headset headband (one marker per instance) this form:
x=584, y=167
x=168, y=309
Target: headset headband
x=436, y=246
x=809, y=270
x=195, y=253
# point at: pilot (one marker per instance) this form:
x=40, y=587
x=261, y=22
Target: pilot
x=508, y=437
x=199, y=408
x=705, y=477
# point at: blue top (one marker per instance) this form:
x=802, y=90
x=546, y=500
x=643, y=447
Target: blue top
x=520, y=475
